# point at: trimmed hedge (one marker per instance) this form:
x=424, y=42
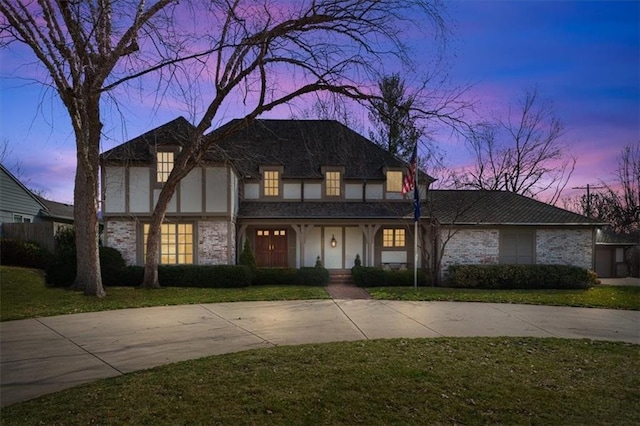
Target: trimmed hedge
x=367, y=276
x=27, y=254
x=206, y=276
x=519, y=277
x=311, y=276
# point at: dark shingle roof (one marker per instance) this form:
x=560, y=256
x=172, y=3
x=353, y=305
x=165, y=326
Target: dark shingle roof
x=57, y=210
x=303, y=147
x=448, y=206
x=324, y=210
x=175, y=132
x=493, y=207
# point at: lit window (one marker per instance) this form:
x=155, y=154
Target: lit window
x=271, y=183
x=393, y=238
x=176, y=243
x=164, y=166
x=332, y=184
x=394, y=181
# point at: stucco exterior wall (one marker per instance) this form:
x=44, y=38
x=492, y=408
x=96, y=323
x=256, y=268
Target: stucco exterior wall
x=471, y=246
x=216, y=243
x=565, y=247
x=122, y=235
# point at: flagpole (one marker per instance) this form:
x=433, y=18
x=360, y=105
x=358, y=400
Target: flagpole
x=416, y=199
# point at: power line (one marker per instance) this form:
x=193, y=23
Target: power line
x=588, y=188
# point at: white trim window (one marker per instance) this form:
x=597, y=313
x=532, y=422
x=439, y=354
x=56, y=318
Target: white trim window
x=394, y=181
x=393, y=237
x=164, y=165
x=176, y=243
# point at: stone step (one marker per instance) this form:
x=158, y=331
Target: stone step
x=340, y=276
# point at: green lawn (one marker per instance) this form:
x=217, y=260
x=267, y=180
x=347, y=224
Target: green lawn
x=399, y=381
x=609, y=297
x=24, y=295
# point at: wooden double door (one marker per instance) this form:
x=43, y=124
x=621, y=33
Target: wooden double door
x=271, y=248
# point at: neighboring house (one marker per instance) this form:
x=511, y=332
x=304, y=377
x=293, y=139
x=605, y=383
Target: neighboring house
x=299, y=190
x=611, y=253
x=20, y=207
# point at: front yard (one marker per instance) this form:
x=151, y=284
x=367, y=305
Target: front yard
x=24, y=295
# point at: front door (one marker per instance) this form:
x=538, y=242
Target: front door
x=271, y=248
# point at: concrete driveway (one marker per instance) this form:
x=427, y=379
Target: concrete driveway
x=44, y=355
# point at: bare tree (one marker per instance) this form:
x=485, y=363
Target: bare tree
x=618, y=201
x=322, y=46
x=86, y=49
x=522, y=154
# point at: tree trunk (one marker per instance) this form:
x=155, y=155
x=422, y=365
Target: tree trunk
x=87, y=127
x=150, y=279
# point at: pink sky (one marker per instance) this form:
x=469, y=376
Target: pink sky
x=583, y=56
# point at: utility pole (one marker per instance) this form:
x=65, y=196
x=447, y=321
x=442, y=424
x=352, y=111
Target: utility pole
x=588, y=187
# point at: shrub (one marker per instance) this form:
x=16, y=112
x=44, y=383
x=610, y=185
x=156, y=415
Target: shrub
x=274, y=276
x=131, y=276
x=112, y=265
x=367, y=276
x=61, y=269
x=246, y=256
x=519, y=277
x=209, y=276
x=27, y=254
x=312, y=276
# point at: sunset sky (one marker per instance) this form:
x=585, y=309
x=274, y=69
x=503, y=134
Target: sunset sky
x=583, y=56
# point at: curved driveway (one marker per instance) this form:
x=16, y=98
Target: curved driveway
x=44, y=355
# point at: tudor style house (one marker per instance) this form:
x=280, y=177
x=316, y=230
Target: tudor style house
x=299, y=190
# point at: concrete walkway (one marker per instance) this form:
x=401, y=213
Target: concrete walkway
x=44, y=355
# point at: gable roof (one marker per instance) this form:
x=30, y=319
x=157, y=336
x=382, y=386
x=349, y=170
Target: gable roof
x=301, y=147
x=47, y=208
x=497, y=207
x=304, y=147
x=175, y=132
x=21, y=186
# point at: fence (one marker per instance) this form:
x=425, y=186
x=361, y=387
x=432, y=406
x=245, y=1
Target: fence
x=42, y=233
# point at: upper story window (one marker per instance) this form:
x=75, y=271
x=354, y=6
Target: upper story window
x=393, y=237
x=394, y=181
x=332, y=184
x=164, y=165
x=271, y=179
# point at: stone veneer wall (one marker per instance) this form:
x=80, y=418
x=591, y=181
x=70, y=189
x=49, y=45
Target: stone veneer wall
x=122, y=235
x=216, y=243
x=565, y=247
x=471, y=246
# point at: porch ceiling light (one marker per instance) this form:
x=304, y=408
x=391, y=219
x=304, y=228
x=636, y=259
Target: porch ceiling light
x=333, y=241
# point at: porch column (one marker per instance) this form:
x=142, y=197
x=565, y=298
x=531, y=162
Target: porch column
x=369, y=232
x=301, y=239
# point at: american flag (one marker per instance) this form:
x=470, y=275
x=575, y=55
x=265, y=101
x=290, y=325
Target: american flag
x=409, y=181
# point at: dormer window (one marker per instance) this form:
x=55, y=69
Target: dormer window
x=271, y=179
x=332, y=184
x=394, y=181
x=164, y=165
